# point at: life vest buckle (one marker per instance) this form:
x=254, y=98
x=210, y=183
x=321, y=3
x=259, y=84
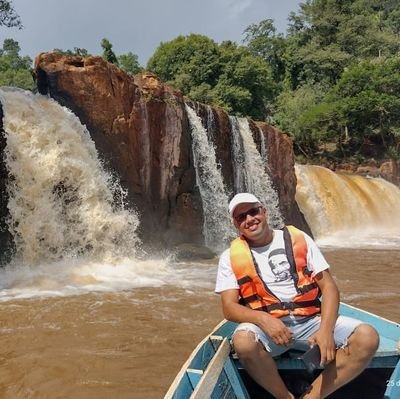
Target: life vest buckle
x=288, y=306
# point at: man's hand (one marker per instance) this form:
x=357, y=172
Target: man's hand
x=272, y=326
x=275, y=328
x=326, y=344
x=329, y=312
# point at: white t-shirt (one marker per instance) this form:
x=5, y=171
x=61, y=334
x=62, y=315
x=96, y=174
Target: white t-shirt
x=273, y=265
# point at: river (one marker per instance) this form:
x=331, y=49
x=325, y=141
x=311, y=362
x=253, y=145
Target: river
x=131, y=343
x=82, y=317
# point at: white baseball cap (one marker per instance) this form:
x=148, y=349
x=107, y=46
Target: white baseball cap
x=242, y=198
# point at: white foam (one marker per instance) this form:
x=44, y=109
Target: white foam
x=79, y=276
x=61, y=200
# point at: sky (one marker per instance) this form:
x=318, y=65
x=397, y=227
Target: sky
x=136, y=26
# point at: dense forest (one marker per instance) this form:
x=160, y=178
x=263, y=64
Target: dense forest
x=332, y=81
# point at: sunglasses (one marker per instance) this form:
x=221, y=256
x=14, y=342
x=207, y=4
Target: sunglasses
x=252, y=212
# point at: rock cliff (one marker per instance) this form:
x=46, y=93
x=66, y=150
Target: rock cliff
x=142, y=133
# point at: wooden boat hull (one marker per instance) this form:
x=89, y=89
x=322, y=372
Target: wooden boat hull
x=211, y=372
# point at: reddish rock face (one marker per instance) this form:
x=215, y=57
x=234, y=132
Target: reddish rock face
x=141, y=131
x=280, y=168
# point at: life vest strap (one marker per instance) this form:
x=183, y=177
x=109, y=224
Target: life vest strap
x=290, y=305
x=245, y=279
x=307, y=288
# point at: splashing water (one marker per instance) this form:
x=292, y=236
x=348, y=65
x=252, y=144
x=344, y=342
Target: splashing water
x=61, y=202
x=250, y=172
x=217, y=227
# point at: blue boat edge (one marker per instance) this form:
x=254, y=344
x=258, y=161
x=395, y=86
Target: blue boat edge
x=229, y=384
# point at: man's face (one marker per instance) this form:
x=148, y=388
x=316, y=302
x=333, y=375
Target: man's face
x=251, y=221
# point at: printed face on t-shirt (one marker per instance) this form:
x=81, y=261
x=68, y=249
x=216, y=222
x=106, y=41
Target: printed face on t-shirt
x=279, y=264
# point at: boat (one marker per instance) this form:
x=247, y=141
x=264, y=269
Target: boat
x=211, y=371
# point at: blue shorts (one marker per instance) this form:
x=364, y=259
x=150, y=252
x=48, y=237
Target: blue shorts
x=302, y=329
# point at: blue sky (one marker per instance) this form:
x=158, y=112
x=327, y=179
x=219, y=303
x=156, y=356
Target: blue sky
x=136, y=26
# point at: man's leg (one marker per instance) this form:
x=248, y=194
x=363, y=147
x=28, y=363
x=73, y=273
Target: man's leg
x=259, y=364
x=350, y=362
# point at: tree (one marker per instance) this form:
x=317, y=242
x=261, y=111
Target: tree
x=262, y=40
x=368, y=98
x=326, y=36
x=312, y=63
x=108, y=53
x=245, y=85
x=301, y=112
x=187, y=61
x=8, y=17
x=360, y=114
x=15, y=70
x=225, y=75
x=129, y=63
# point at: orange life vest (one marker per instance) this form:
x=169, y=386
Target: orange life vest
x=255, y=293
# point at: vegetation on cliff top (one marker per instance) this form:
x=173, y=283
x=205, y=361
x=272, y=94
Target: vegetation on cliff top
x=332, y=81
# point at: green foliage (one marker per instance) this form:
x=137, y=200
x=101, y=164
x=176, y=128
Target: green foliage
x=249, y=80
x=15, y=70
x=129, y=63
x=225, y=75
x=326, y=36
x=108, y=53
x=300, y=114
x=82, y=52
x=8, y=17
x=262, y=40
x=196, y=56
x=313, y=64
x=360, y=113
x=369, y=97
x=340, y=79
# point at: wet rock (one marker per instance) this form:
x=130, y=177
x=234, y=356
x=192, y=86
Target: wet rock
x=192, y=252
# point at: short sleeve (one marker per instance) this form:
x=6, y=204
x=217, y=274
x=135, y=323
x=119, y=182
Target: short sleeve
x=226, y=279
x=316, y=262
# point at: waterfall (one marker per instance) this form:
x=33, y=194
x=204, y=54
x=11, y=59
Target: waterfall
x=211, y=131
x=249, y=170
x=145, y=170
x=237, y=156
x=217, y=227
x=348, y=210
x=264, y=153
x=61, y=201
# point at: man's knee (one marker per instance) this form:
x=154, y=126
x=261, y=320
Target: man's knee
x=366, y=339
x=246, y=344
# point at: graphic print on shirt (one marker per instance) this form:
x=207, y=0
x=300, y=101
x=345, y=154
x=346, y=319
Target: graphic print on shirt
x=279, y=264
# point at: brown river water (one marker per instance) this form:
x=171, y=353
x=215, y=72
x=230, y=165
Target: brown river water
x=122, y=328
x=131, y=344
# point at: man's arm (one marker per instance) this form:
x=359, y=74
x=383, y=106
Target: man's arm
x=236, y=312
x=329, y=313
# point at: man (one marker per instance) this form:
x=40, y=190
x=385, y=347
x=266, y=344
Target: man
x=270, y=282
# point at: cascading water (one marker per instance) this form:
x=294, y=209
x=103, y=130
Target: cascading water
x=68, y=219
x=217, y=226
x=348, y=210
x=238, y=160
x=250, y=174
x=61, y=202
x=210, y=124
x=264, y=153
